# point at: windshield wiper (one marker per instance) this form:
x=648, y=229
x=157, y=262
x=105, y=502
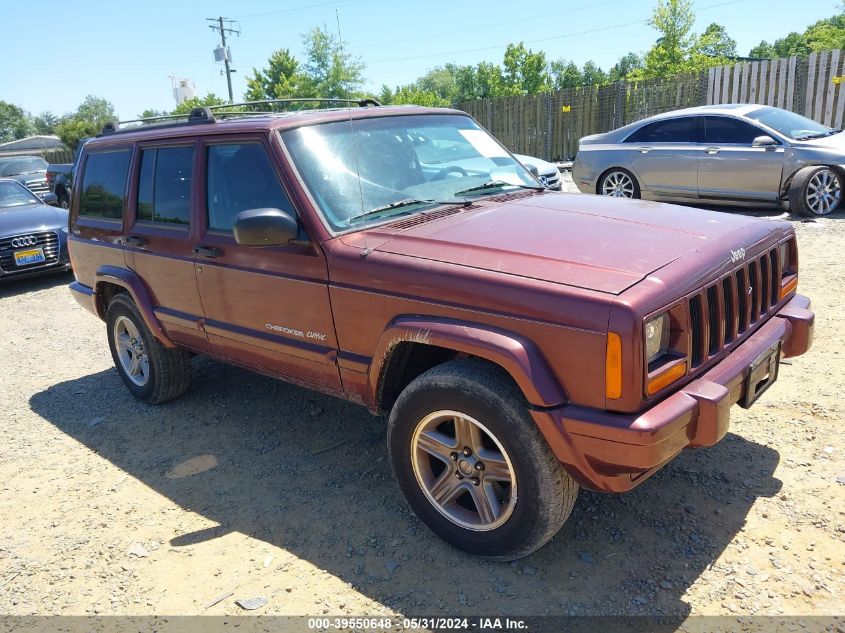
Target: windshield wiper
x=497, y=184
x=809, y=137
x=407, y=202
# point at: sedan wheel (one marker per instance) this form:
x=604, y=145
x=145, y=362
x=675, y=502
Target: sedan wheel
x=823, y=193
x=619, y=184
x=463, y=470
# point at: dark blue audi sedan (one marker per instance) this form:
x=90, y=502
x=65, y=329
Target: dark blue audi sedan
x=33, y=235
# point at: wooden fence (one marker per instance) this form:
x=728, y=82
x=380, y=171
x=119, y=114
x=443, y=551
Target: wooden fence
x=549, y=125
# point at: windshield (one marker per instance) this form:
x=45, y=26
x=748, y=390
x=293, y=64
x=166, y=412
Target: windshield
x=362, y=171
x=14, y=194
x=23, y=166
x=789, y=124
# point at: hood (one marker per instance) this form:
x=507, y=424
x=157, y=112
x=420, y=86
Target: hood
x=835, y=142
x=30, y=218
x=543, y=167
x=591, y=242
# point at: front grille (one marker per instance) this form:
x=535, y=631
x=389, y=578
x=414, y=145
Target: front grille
x=38, y=186
x=47, y=240
x=722, y=312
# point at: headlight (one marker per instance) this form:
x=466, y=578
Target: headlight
x=783, y=257
x=656, y=337
x=63, y=229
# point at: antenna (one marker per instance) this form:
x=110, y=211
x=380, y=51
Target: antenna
x=366, y=250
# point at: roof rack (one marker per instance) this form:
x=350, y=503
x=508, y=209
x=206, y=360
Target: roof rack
x=211, y=114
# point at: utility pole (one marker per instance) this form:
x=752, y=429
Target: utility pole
x=221, y=28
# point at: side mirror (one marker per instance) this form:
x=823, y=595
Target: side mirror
x=534, y=171
x=265, y=227
x=50, y=198
x=764, y=141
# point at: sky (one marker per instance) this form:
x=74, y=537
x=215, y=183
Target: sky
x=55, y=52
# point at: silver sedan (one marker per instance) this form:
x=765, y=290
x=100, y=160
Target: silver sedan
x=721, y=154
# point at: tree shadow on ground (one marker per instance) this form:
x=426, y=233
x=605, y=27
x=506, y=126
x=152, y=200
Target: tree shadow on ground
x=309, y=473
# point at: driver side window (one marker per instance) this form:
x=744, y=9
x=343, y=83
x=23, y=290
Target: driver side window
x=241, y=177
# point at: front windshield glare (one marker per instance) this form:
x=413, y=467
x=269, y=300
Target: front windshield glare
x=365, y=170
x=13, y=194
x=789, y=124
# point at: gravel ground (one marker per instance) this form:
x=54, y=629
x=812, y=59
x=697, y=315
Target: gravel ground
x=256, y=488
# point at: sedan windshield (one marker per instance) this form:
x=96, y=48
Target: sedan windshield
x=14, y=194
x=789, y=124
x=366, y=170
x=23, y=166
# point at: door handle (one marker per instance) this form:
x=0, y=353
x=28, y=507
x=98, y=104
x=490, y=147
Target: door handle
x=207, y=251
x=134, y=240
x=712, y=150
x=645, y=150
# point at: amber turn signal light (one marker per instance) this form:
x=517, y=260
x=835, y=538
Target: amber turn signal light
x=613, y=367
x=673, y=373
x=789, y=287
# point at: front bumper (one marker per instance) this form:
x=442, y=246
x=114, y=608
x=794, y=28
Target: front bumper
x=613, y=453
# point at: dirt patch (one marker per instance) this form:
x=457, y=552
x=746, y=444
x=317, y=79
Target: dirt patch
x=258, y=488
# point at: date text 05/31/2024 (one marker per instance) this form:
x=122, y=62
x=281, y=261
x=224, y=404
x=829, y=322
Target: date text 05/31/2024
x=435, y=623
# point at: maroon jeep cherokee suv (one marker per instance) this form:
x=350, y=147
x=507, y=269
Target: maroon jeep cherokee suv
x=524, y=342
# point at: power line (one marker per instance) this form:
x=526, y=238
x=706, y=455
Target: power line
x=222, y=29
x=543, y=39
x=288, y=10
x=544, y=16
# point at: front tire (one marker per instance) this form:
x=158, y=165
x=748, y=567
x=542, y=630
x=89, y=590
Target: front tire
x=619, y=183
x=64, y=200
x=152, y=372
x=815, y=191
x=473, y=465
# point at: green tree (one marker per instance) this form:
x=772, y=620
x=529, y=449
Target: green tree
x=673, y=20
x=14, y=122
x=150, y=113
x=565, y=74
x=280, y=79
x=626, y=65
x=524, y=71
x=45, y=123
x=328, y=71
x=88, y=120
x=826, y=34
x=209, y=99
x=411, y=94
x=715, y=42
x=592, y=74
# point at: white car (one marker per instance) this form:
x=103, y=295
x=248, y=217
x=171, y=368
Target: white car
x=547, y=172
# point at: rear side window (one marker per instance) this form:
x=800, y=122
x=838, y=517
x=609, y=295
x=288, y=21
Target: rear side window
x=164, y=185
x=104, y=184
x=680, y=130
x=241, y=177
x=725, y=130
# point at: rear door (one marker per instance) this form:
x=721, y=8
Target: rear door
x=730, y=167
x=664, y=156
x=97, y=223
x=265, y=307
x=159, y=241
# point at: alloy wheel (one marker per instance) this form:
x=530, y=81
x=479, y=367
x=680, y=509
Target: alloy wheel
x=130, y=351
x=618, y=184
x=823, y=192
x=463, y=470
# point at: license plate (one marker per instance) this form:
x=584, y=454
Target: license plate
x=762, y=373
x=29, y=256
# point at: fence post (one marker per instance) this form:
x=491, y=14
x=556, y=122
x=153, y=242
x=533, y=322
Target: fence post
x=703, y=80
x=801, y=73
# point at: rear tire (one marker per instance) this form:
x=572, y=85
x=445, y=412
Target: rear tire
x=152, y=372
x=449, y=420
x=619, y=183
x=815, y=191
